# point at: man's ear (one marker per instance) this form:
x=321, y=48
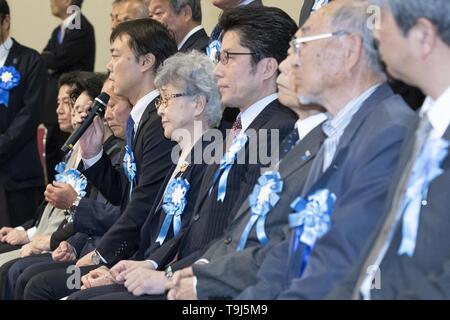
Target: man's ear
x=186, y=11
x=269, y=67
x=147, y=62
x=425, y=35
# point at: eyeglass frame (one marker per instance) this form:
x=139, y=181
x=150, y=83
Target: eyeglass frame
x=228, y=53
x=295, y=43
x=164, y=102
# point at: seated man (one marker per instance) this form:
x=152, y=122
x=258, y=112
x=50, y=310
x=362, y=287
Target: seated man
x=407, y=257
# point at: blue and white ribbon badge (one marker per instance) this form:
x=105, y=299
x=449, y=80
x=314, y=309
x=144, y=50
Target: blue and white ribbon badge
x=9, y=79
x=129, y=167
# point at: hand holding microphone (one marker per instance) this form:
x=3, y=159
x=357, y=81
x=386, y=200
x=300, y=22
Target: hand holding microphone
x=97, y=109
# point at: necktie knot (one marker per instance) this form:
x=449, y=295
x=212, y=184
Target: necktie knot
x=237, y=127
x=130, y=131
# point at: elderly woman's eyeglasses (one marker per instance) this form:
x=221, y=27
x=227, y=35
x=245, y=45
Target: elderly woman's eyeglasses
x=224, y=56
x=164, y=99
x=296, y=43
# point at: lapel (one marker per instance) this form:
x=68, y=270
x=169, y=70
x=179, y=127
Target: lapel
x=306, y=11
x=302, y=153
x=368, y=106
x=190, y=42
x=446, y=164
x=256, y=124
x=145, y=118
x=295, y=159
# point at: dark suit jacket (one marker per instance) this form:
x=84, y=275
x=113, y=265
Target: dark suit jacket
x=198, y=41
x=152, y=153
x=211, y=217
x=152, y=226
x=306, y=11
x=75, y=53
x=425, y=275
x=230, y=272
x=359, y=176
x=19, y=160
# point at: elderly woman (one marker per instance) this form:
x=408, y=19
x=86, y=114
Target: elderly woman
x=189, y=107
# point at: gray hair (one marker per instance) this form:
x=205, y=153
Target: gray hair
x=407, y=12
x=353, y=16
x=193, y=73
x=195, y=7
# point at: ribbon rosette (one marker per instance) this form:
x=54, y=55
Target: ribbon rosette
x=9, y=79
x=129, y=166
x=426, y=168
x=72, y=177
x=262, y=200
x=312, y=220
x=174, y=202
x=225, y=165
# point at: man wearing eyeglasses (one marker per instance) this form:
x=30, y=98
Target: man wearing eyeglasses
x=344, y=194
x=408, y=256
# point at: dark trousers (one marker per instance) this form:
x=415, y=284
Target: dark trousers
x=111, y=292
x=52, y=284
x=4, y=278
x=53, y=153
x=5, y=247
x=15, y=282
x=19, y=206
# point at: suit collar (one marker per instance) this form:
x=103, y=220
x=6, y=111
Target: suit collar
x=368, y=106
x=145, y=117
x=295, y=159
x=191, y=37
x=266, y=115
x=303, y=152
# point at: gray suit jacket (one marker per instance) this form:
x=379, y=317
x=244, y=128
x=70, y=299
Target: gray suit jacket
x=229, y=272
x=306, y=11
x=426, y=274
x=359, y=176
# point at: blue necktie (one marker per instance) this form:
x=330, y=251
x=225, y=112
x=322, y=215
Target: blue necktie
x=289, y=142
x=130, y=132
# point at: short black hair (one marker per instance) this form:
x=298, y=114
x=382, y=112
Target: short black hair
x=4, y=7
x=91, y=83
x=76, y=81
x=266, y=31
x=78, y=3
x=147, y=36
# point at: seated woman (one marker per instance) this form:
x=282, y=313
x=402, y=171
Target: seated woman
x=189, y=107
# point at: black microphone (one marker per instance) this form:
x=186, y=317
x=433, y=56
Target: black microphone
x=97, y=108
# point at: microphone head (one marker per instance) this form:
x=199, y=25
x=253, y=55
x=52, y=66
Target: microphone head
x=104, y=97
x=102, y=100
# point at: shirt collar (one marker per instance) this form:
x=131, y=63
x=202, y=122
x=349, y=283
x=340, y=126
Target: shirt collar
x=140, y=106
x=305, y=126
x=4, y=50
x=245, y=2
x=197, y=28
x=66, y=23
x=255, y=109
x=336, y=125
x=438, y=112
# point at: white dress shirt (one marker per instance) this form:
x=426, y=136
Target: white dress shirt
x=5, y=47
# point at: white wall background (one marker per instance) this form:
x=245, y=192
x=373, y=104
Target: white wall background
x=32, y=22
